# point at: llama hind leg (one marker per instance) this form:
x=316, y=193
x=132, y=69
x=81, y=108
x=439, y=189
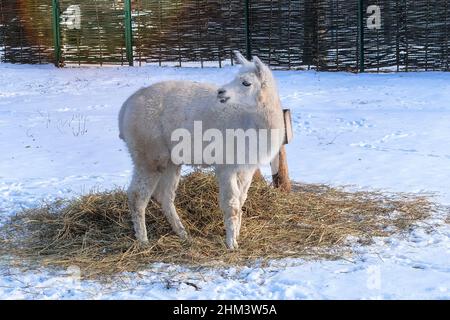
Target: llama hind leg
x=141, y=188
x=230, y=204
x=165, y=195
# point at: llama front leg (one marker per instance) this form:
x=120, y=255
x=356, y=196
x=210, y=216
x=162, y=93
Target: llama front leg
x=230, y=205
x=139, y=192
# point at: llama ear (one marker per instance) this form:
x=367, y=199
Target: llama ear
x=240, y=58
x=261, y=68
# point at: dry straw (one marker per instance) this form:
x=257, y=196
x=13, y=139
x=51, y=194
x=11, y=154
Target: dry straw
x=94, y=231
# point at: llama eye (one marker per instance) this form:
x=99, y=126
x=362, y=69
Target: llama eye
x=246, y=83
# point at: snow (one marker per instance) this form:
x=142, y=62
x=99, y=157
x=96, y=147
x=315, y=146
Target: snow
x=59, y=137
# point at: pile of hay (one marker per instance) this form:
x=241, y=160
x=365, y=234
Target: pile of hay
x=95, y=233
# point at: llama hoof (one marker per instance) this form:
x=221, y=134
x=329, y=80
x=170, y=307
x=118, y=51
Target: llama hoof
x=142, y=239
x=184, y=236
x=232, y=245
x=186, y=241
x=143, y=244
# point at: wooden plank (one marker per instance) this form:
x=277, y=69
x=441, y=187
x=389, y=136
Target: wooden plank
x=288, y=132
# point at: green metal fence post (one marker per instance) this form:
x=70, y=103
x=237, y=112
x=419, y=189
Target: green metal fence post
x=56, y=32
x=129, y=32
x=361, y=34
x=248, y=44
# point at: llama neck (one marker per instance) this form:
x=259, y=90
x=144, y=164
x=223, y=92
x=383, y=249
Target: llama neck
x=270, y=106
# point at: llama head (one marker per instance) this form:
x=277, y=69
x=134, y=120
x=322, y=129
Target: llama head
x=253, y=83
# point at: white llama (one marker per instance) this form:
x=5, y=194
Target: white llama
x=149, y=117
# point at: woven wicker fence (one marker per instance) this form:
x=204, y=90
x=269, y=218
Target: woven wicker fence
x=287, y=34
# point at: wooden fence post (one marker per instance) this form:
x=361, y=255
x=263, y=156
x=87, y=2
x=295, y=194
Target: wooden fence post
x=56, y=32
x=280, y=172
x=279, y=166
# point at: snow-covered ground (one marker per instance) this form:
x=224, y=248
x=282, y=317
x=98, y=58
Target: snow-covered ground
x=59, y=137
